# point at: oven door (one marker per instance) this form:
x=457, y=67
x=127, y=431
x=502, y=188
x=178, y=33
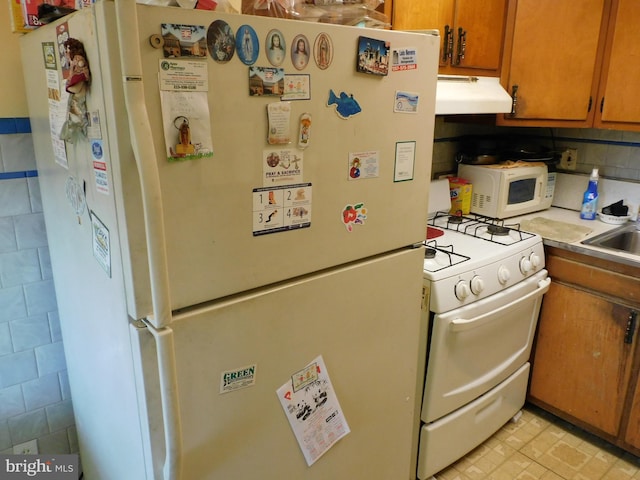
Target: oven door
x=476, y=347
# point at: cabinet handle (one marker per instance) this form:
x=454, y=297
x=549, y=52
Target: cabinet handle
x=631, y=327
x=462, y=45
x=514, y=100
x=447, y=51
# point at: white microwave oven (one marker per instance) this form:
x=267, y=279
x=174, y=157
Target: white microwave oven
x=506, y=190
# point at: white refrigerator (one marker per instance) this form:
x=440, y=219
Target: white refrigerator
x=199, y=270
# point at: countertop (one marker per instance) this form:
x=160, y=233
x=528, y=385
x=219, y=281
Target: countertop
x=580, y=230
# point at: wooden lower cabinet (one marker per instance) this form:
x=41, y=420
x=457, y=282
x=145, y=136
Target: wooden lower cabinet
x=586, y=361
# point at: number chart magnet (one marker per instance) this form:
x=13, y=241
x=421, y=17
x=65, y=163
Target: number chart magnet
x=247, y=45
x=279, y=209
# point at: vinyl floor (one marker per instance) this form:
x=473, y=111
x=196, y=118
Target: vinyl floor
x=539, y=446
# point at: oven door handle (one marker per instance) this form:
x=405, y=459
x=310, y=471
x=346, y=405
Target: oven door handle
x=463, y=324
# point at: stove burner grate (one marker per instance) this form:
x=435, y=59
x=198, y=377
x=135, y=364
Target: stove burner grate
x=486, y=228
x=438, y=257
x=499, y=230
x=430, y=252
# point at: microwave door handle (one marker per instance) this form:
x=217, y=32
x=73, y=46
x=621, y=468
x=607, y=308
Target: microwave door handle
x=463, y=324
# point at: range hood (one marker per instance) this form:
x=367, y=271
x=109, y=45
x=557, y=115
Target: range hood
x=457, y=94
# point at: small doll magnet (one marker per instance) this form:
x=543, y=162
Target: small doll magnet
x=77, y=83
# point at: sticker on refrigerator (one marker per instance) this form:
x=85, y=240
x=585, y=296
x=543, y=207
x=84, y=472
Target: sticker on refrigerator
x=99, y=167
x=346, y=104
x=364, y=165
x=185, y=109
x=184, y=40
x=404, y=59
x=49, y=55
x=279, y=209
x=282, y=166
x=279, y=119
x=353, y=215
x=405, y=102
x=373, y=56
x=57, y=116
x=101, y=243
x=266, y=81
x=313, y=411
x=296, y=87
x=405, y=161
x=232, y=380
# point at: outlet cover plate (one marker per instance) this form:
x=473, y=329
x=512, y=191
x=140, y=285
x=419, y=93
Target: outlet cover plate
x=26, y=448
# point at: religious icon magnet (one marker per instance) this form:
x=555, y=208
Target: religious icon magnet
x=275, y=47
x=323, y=51
x=247, y=45
x=300, y=52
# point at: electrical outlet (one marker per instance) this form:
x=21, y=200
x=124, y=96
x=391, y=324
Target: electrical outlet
x=26, y=448
x=569, y=159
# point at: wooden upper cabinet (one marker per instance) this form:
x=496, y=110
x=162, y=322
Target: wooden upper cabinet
x=553, y=51
x=619, y=96
x=471, y=32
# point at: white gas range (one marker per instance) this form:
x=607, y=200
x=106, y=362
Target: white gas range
x=486, y=280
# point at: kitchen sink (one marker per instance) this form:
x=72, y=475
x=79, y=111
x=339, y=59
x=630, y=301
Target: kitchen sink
x=625, y=239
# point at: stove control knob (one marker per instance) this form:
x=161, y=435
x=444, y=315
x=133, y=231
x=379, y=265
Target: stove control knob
x=461, y=290
x=503, y=274
x=525, y=265
x=477, y=285
x=534, y=258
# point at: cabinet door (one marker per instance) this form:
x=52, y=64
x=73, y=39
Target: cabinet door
x=551, y=54
x=412, y=15
x=619, y=96
x=632, y=437
x=581, y=364
x=481, y=22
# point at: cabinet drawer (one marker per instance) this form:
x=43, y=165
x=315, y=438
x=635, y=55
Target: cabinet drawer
x=593, y=278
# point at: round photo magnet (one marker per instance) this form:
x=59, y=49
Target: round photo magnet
x=323, y=51
x=221, y=41
x=275, y=47
x=247, y=45
x=300, y=52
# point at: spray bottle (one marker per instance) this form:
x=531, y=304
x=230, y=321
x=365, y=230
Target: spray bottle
x=590, y=199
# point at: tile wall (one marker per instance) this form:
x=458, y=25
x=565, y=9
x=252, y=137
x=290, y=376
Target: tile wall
x=615, y=153
x=34, y=395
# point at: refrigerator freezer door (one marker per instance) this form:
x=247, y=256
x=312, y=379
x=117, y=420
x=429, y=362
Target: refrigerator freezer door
x=364, y=321
x=209, y=203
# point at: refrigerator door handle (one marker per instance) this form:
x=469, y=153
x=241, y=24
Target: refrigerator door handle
x=146, y=161
x=170, y=401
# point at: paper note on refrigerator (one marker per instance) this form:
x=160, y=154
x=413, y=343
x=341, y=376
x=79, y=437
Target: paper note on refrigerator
x=313, y=411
